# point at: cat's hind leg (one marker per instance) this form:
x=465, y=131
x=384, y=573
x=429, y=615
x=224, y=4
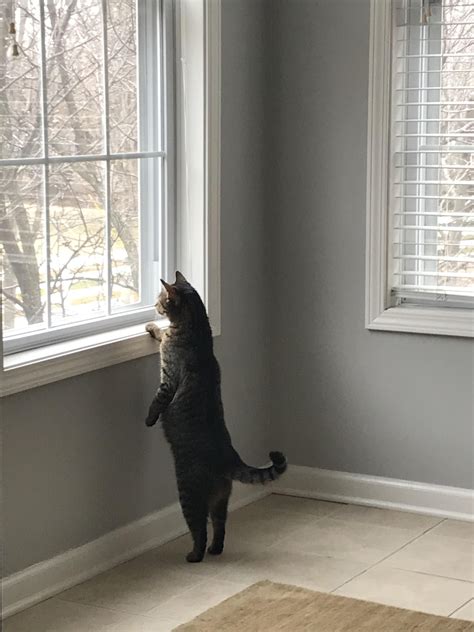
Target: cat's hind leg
x=195, y=510
x=218, y=510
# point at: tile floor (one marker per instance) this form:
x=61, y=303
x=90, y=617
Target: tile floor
x=401, y=559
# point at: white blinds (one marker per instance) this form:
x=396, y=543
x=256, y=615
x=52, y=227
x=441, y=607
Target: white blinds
x=432, y=149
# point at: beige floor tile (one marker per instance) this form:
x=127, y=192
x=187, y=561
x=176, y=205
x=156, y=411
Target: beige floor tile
x=455, y=529
x=56, y=615
x=417, y=523
x=135, y=587
x=437, y=555
x=172, y=554
x=310, y=543
x=201, y=597
x=466, y=612
x=299, y=568
x=265, y=528
x=357, y=541
x=406, y=589
x=278, y=502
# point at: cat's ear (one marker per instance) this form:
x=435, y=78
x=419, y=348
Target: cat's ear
x=169, y=288
x=180, y=277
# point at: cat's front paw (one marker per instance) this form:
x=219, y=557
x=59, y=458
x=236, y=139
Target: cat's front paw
x=153, y=330
x=149, y=421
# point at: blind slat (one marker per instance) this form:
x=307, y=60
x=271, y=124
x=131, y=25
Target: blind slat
x=418, y=165
x=437, y=39
x=440, y=135
x=435, y=88
x=453, y=149
x=437, y=55
x=452, y=72
x=444, y=182
x=428, y=258
x=447, y=121
x=446, y=214
x=427, y=242
x=429, y=295
x=437, y=229
x=435, y=24
x=444, y=275
x=434, y=197
x=438, y=289
x=414, y=103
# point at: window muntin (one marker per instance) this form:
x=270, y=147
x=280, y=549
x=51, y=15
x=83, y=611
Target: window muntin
x=432, y=149
x=83, y=168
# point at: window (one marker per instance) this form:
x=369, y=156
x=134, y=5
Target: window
x=86, y=212
x=420, y=233
x=432, y=149
x=177, y=96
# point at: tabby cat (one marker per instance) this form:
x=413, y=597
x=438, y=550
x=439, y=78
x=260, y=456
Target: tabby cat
x=189, y=405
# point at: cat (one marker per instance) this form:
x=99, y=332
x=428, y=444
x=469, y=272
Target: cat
x=189, y=405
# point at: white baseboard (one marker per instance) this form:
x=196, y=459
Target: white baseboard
x=375, y=491
x=45, y=579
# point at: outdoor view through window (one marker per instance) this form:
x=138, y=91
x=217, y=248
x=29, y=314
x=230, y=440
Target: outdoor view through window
x=432, y=145
x=81, y=163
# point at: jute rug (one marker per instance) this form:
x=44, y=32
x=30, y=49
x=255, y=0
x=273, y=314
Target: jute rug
x=266, y=607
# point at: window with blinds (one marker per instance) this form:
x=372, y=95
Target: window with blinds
x=432, y=149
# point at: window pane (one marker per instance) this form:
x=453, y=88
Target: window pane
x=93, y=244
x=20, y=110
x=434, y=124
x=456, y=248
x=122, y=72
x=74, y=71
x=77, y=227
x=125, y=233
x=22, y=248
x=150, y=76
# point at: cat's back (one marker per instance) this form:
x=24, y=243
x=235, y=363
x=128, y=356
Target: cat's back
x=196, y=408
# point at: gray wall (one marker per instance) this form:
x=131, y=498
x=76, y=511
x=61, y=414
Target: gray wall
x=387, y=404
x=77, y=458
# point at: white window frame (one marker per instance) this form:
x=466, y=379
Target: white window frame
x=155, y=41
x=197, y=185
x=379, y=314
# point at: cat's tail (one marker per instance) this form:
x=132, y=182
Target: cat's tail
x=248, y=474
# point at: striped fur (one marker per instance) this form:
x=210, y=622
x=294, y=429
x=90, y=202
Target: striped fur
x=248, y=474
x=188, y=403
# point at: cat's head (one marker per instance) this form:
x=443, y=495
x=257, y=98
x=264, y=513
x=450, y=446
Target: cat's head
x=176, y=299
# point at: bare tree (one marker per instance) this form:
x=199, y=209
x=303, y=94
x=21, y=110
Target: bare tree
x=75, y=102
x=457, y=122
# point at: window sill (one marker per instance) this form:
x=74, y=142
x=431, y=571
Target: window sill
x=423, y=320
x=29, y=369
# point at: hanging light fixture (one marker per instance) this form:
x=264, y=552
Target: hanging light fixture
x=13, y=49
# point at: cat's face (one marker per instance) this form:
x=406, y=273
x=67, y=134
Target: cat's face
x=172, y=299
